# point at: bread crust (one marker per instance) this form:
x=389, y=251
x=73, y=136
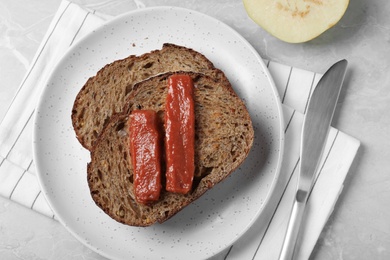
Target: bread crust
x=224, y=137
x=105, y=93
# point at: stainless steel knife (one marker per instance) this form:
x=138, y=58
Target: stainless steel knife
x=316, y=125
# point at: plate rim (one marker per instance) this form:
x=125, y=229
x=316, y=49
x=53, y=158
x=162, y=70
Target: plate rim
x=113, y=21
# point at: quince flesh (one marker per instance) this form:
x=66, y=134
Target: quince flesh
x=296, y=21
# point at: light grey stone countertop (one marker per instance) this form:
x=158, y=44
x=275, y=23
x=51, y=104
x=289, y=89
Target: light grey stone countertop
x=359, y=227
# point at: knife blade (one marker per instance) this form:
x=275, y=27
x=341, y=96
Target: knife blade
x=316, y=126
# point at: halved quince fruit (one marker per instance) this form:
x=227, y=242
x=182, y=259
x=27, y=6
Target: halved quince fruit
x=296, y=20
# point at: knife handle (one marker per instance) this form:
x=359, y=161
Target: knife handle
x=293, y=229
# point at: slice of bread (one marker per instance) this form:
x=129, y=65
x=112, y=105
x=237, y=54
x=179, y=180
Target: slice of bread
x=223, y=138
x=104, y=94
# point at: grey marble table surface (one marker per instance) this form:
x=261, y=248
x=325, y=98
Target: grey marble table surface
x=359, y=227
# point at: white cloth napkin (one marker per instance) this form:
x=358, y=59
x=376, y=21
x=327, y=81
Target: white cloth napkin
x=71, y=22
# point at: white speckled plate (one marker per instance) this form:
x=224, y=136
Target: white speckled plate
x=218, y=218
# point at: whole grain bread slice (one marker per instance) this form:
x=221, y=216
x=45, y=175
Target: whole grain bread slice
x=223, y=138
x=105, y=93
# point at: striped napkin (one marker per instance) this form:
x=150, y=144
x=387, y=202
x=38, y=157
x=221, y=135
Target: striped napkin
x=17, y=170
